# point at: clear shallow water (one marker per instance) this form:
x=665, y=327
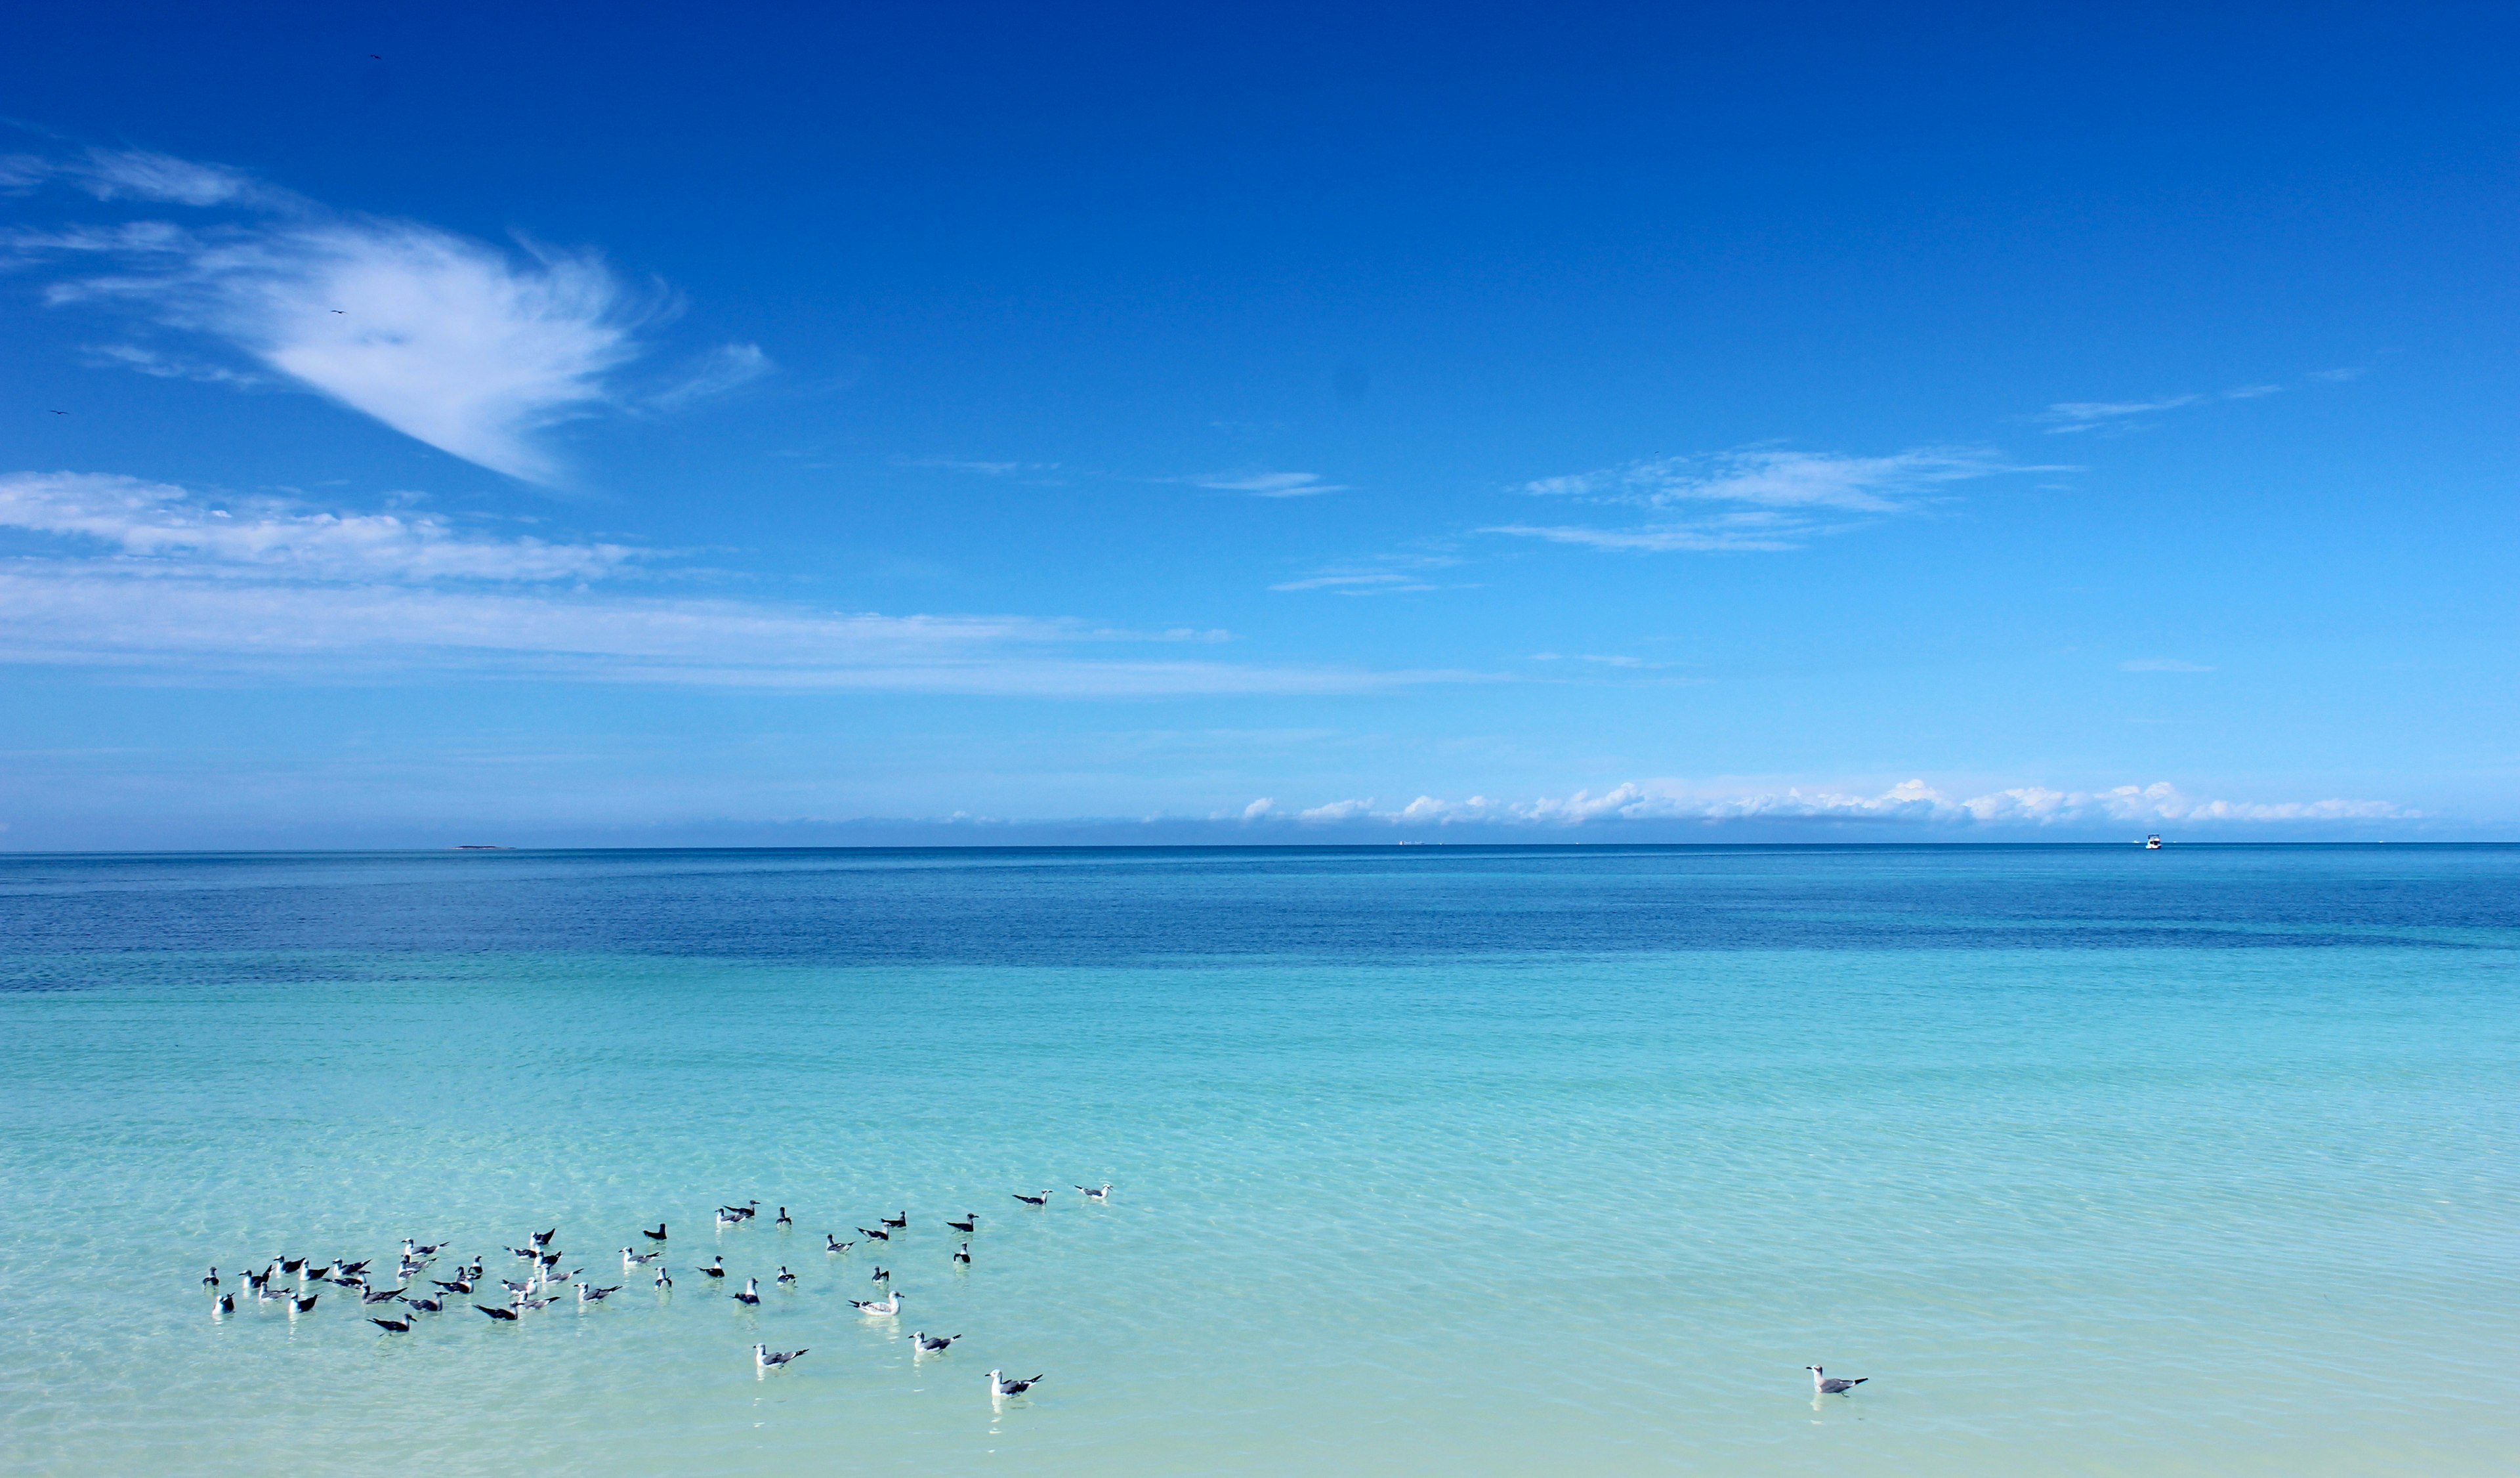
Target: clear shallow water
x=1435, y=1159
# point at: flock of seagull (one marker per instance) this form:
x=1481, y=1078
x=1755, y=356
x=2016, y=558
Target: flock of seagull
x=543, y=1278
x=293, y=1282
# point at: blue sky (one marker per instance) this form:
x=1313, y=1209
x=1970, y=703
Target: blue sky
x=632, y=425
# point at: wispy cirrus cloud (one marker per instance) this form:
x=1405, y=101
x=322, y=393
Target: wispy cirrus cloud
x=1757, y=498
x=474, y=349
x=119, y=572
x=1266, y=484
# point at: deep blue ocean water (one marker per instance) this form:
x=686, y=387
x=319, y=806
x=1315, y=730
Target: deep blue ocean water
x=1427, y=1158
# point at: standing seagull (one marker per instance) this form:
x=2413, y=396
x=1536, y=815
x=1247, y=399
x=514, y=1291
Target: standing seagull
x=765, y=1357
x=1829, y=1385
x=1001, y=1385
x=1093, y=1194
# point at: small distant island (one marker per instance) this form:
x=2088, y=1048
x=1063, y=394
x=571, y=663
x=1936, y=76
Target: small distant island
x=478, y=846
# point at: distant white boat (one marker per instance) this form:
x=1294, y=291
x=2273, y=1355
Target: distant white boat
x=2152, y=843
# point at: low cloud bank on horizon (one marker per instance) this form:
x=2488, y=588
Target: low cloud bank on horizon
x=1910, y=801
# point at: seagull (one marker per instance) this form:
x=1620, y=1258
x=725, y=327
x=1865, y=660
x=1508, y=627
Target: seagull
x=543, y=1238
x=425, y=1305
x=1001, y=1385
x=751, y=1294
x=1831, y=1385
x=394, y=1325
x=459, y=1286
x=662, y=1282
x=881, y=1275
x=211, y=1280
x=890, y=1306
x=588, y=1293
x=716, y=1269
x=875, y=1234
x=526, y=1254
x=783, y=1218
x=765, y=1357
x=1094, y=1194
x=965, y=1225
x=630, y=1259
x=298, y=1306
x=361, y=1266
x=384, y=1295
x=412, y=1250
x=264, y=1295
x=292, y=1264
x=509, y=1314
x=1042, y=1199
x=519, y=1289
x=924, y=1343
x=728, y=1218
x=656, y=1235
x=962, y=1255
x=533, y=1304
x=227, y=1303
x=785, y=1275
x=59, y=413
x=548, y=1259
x=832, y=1243
x=896, y=1222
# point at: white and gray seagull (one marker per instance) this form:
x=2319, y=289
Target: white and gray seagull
x=1825, y=1384
x=885, y=1308
x=765, y=1357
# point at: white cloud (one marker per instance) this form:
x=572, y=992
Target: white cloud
x=2068, y=415
x=2161, y=664
x=1258, y=809
x=146, y=576
x=1914, y=801
x=473, y=349
x=150, y=521
x=1758, y=498
x=1337, y=810
x=722, y=371
x=1266, y=485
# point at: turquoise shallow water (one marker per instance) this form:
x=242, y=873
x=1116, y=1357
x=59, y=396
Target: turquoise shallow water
x=1444, y=1161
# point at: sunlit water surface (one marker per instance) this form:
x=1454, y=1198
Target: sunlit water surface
x=1434, y=1160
